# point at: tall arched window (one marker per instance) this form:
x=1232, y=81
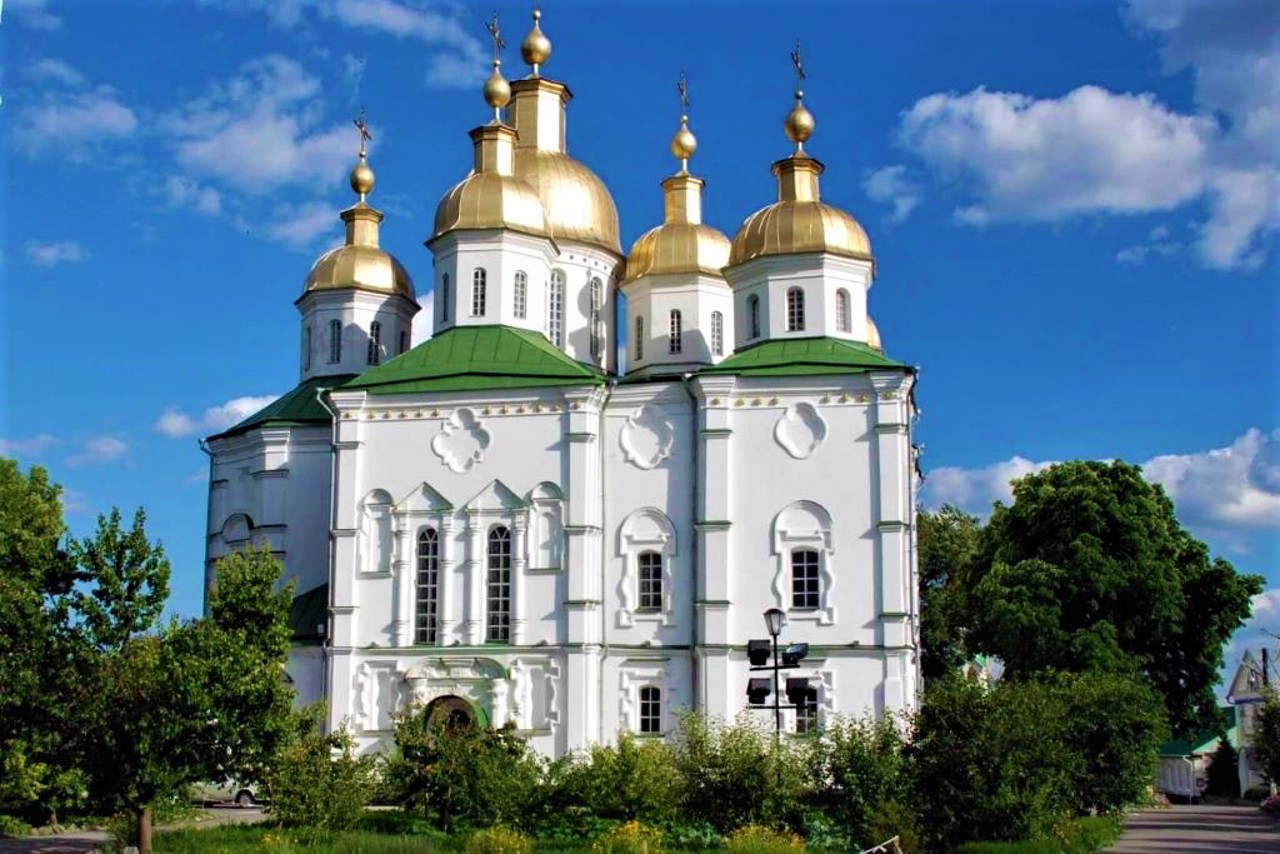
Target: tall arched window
x=650, y=710
x=843, y=323
x=804, y=579
x=555, y=309
x=795, y=310
x=521, y=296
x=335, y=341
x=639, y=338
x=650, y=581
x=597, y=298
x=753, y=309
x=499, y=586
x=478, y=280
x=306, y=349
x=444, y=298
x=428, y=587
x=375, y=343
x=675, y=333
x=717, y=333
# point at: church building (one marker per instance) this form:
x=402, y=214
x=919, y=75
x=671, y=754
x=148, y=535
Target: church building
x=519, y=523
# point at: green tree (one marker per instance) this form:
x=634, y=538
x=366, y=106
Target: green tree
x=948, y=543
x=1265, y=739
x=1224, y=771
x=125, y=581
x=1090, y=570
x=866, y=773
x=318, y=781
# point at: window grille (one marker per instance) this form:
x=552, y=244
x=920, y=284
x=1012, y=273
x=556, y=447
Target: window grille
x=650, y=710
x=521, y=298
x=428, y=587
x=795, y=310
x=650, y=579
x=499, y=586
x=675, y=334
x=478, y=285
x=804, y=578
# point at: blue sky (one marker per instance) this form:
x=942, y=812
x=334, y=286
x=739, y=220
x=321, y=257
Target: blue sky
x=1073, y=206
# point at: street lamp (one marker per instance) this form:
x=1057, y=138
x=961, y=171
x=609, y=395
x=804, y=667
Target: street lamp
x=774, y=620
x=758, y=654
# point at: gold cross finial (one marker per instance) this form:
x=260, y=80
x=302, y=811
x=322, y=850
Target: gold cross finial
x=799, y=64
x=496, y=34
x=365, y=135
x=683, y=86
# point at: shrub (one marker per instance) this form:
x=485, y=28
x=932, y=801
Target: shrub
x=1257, y=793
x=864, y=765
x=1224, y=772
x=498, y=840
x=756, y=839
x=320, y=783
x=630, y=838
x=12, y=828
x=636, y=780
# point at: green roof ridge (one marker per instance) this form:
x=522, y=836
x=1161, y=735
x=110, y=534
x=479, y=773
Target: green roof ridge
x=804, y=357
x=296, y=407
x=477, y=357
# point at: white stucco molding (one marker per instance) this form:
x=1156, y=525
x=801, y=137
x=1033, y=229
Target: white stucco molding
x=800, y=430
x=804, y=524
x=647, y=438
x=646, y=529
x=462, y=441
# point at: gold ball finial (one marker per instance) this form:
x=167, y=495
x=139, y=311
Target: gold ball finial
x=497, y=91
x=684, y=143
x=799, y=123
x=536, y=47
x=362, y=178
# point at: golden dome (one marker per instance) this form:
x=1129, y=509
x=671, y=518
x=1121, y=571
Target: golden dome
x=490, y=200
x=575, y=200
x=873, y=335
x=366, y=268
x=678, y=247
x=790, y=228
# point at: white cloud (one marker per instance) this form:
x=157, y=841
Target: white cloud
x=183, y=192
x=891, y=186
x=1012, y=156
x=98, y=450
x=175, y=423
x=33, y=447
x=55, y=71
x=74, y=501
x=1224, y=491
x=261, y=130
x=55, y=252
x=71, y=124
x=424, y=321
x=301, y=226
x=1158, y=243
x=33, y=13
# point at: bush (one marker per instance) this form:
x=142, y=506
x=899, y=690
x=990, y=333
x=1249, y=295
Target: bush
x=13, y=828
x=634, y=781
x=630, y=838
x=756, y=839
x=498, y=840
x=1224, y=772
x=1081, y=836
x=320, y=783
x=864, y=766
x=1257, y=793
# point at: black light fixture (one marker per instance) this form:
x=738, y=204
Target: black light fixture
x=765, y=655
x=774, y=620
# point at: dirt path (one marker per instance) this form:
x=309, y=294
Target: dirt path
x=84, y=841
x=1199, y=830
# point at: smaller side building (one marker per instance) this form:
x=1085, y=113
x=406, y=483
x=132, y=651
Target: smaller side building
x=1183, y=771
x=1251, y=680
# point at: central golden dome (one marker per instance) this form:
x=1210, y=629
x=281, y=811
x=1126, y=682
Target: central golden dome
x=576, y=202
x=365, y=268
x=490, y=200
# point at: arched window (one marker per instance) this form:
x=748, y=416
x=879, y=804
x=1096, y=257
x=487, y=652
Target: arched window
x=650, y=710
x=404, y=341
x=521, y=297
x=717, y=333
x=843, y=324
x=335, y=341
x=650, y=578
x=753, y=309
x=639, y=338
x=499, y=586
x=795, y=310
x=804, y=579
x=306, y=349
x=555, y=309
x=428, y=587
x=597, y=297
x=675, y=333
x=478, y=279
x=807, y=712
x=444, y=298
x=375, y=343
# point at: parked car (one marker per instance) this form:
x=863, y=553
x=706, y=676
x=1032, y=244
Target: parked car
x=231, y=792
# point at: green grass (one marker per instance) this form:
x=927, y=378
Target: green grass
x=242, y=840
x=1082, y=836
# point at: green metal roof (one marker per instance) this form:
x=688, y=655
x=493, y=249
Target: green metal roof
x=793, y=357
x=467, y=358
x=294, y=408
x=1205, y=742
x=308, y=613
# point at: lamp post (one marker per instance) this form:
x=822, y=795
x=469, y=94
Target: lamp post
x=773, y=621
x=765, y=655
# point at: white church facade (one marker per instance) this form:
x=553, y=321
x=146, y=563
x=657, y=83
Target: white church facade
x=516, y=523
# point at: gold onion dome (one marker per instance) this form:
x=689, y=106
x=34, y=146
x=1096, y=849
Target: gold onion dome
x=359, y=262
x=682, y=244
x=799, y=222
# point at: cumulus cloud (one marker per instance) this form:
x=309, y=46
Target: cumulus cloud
x=1158, y=243
x=71, y=123
x=261, y=130
x=175, y=423
x=53, y=253
x=891, y=186
x=33, y=13
x=424, y=321
x=1012, y=156
x=74, y=501
x=1225, y=491
x=98, y=450
x=55, y=71
x=31, y=448
x=183, y=192
x=301, y=226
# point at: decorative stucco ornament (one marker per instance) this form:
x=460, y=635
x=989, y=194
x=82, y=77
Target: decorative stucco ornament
x=462, y=441
x=800, y=430
x=647, y=438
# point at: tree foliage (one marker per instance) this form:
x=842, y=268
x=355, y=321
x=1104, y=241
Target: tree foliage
x=1090, y=570
x=948, y=543
x=1265, y=739
x=1223, y=777
x=318, y=781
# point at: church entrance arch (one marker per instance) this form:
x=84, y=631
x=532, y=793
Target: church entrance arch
x=454, y=711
